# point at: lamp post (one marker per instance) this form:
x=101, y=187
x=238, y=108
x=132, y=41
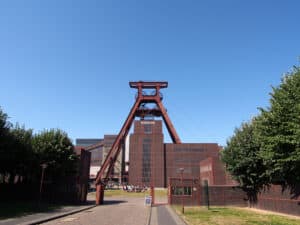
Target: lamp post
x=182, y=196
x=44, y=166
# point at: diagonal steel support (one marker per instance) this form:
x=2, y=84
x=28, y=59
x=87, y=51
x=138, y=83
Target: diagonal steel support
x=107, y=167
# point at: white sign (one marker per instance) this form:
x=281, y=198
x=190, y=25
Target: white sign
x=93, y=171
x=147, y=122
x=148, y=200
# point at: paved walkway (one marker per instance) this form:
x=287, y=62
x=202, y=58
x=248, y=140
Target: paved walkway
x=115, y=211
x=164, y=215
x=44, y=216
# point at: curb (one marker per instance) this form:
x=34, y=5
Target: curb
x=149, y=216
x=39, y=221
x=174, y=214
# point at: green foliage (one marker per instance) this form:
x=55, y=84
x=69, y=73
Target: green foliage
x=4, y=124
x=231, y=215
x=243, y=160
x=5, y=141
x=54, y=148
x=279, y=131
x=22, y=153
x=267, y=149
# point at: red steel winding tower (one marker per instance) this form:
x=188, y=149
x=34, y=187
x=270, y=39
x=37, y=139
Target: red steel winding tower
x=138, y=109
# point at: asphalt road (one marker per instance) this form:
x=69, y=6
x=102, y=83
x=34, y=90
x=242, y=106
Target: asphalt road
x=115, y=211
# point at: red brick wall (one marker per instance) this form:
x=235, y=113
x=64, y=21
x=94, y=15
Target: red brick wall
x=213, y=170
x=156, y=155
x=277, y=200
x=222, y=195
x=206, y=170
x=188, y=200
x=219, y=195
x=84, y=174
x=187, y=156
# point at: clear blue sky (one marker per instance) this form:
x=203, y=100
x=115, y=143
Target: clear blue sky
x=67, y=64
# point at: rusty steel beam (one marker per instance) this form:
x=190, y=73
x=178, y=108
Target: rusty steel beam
x=148, y=84
x=90, y=147
x=122, y=134
x=145, y=112
x=136, y=110
x=169, y=125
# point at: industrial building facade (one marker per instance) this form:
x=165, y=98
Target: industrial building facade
x=146, y=154
x=99, y=149
x=187, y=169
x=152, y=162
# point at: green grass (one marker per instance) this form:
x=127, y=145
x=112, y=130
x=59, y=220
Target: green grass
x=17, y=209
x=231, y=216
x=111, y=193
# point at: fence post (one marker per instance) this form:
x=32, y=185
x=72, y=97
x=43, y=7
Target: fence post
x=206, y=193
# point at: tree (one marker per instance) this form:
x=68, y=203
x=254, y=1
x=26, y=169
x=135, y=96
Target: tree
x=22, y=155
x=4, y=124
x=22, y=161
x=5, y=142
x=267, y=150
x=54, y=148
x=279, y=131
x=242, y=159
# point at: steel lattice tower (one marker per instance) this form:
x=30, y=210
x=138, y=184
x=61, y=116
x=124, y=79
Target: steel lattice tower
x=139, y=109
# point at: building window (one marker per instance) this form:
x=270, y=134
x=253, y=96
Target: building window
x=181, y=190
x=146, y=170
x=147, y=128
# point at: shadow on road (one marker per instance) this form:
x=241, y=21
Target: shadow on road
x=89, y=202
x=113, y=202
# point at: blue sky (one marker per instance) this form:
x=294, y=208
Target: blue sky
x=67, y=64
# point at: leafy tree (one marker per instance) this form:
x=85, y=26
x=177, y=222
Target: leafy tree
x=5, y=142
x=4, y=124
x=22, y=161
x=21, y=157
x=279, y=131
x=15, y=150
x=54, y=148
x=267, y=150
x=242, y=159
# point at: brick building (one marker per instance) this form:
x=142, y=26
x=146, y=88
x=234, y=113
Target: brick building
x=146, y=154
x=188, y=156
x=84, y=142
x=213, y=170
x=151, y=162
x=117, y=170
x=99, y=149
x=94, y=146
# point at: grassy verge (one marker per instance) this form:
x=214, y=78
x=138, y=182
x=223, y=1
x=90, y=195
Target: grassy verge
x=17, y=209
x=111, y=193
x=231, y=216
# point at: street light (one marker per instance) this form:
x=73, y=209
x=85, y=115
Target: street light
x=182, y=196
x=44, y=166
